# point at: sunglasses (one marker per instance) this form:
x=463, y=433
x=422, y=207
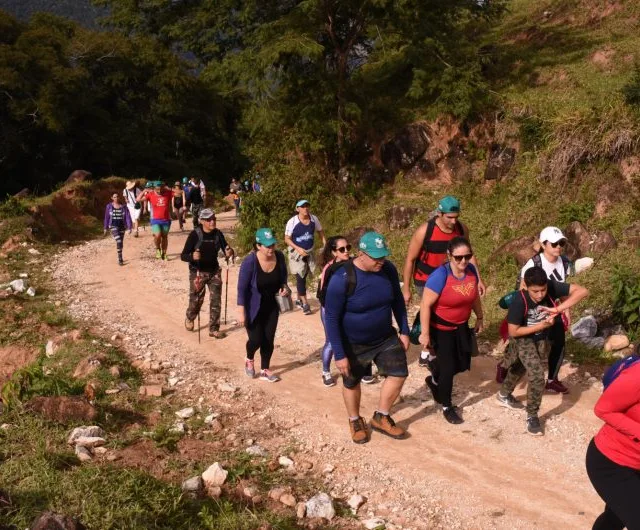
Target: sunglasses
x=560, y=243
x=463, y=256
x=343, y=249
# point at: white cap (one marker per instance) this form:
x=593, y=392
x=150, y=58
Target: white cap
x=551, y=234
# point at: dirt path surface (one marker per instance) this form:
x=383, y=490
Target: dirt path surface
x=485, y=473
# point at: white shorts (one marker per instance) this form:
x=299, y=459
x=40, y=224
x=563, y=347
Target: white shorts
x=134, y=213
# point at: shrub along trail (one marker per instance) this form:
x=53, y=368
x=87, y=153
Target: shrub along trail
x=485, y=473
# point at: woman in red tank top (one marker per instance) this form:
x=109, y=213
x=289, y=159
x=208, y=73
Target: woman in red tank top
x=450, y=295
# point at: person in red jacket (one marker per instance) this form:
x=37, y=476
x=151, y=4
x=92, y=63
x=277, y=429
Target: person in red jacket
x=613, y=457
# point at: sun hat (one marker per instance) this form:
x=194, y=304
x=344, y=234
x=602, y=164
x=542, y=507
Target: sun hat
x=449, y=204
x=374, y=245
x=207, y=213
x=552, y=234
x=302, y=202
x=264, y=236
x=130, y=184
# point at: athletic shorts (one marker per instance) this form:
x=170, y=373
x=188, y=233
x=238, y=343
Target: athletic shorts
x=388, y=354
x=160, y=227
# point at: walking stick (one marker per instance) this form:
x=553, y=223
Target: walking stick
x=226, y=294
x=198, y=326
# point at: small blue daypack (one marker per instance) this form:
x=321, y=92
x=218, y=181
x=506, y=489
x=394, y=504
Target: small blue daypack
x=617, y=368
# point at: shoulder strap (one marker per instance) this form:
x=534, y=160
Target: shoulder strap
x=537, y=260
x=567, y=265
x=200, y=235
x=351, y=277
x=526, y=305
x=431, y=224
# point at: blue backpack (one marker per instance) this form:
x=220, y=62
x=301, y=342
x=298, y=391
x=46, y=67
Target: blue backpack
x=617, y=368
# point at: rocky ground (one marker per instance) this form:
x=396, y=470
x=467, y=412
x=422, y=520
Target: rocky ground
x=485, y=473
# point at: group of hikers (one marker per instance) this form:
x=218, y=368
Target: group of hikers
x=237, y=189
x=360, y=297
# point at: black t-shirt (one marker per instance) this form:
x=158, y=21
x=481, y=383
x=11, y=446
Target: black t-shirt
x=212, y=242
x=534, y=315
x=195, y=195
x=268, y=284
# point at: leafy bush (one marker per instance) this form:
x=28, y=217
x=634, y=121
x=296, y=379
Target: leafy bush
x=626, y=299
x=580, y=211
x=12, y=207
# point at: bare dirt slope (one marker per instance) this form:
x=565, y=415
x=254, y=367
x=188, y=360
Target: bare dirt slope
x=486, y=473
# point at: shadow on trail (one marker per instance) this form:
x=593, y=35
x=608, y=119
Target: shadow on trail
x=297, y=363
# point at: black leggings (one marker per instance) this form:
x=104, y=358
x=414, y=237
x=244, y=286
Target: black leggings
x=444, y=366
x=556, y=353
x=262, y=333
x=619, y=488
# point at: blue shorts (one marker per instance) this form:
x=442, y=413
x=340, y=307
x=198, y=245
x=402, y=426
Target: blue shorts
x=160, y=227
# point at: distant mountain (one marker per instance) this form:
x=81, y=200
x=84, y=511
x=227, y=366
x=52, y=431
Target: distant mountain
x=82, y=11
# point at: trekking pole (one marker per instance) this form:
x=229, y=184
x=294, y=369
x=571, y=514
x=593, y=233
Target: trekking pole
x=198, y=286
x=226, y=293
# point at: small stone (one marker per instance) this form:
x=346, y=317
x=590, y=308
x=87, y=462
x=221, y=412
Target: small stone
x=151, y=390
x=354, y=502
x=288, y=500
x=216, y=426
x=116, y=337
x=301, y=510
x=84, y=432
x=285, y=461
x=173, y=381
x=33, y=252
x=100, y=451
x=214, y=491
x=23, y=275
x=18, y=286
x=114, y=371
x=5, y=426
x=305, y=465
x=215, y=475
x=90, y=441
x=250, y=491
x=257, y=499
x=276, y=493
x=256, y=450
x=31, y=291
x=616, y=342
x=83, y=454
x=179, y=427
x=226, y=387
x=328, y=469
x=209, y=419
x=193, y=486
x=321, y=505
x=185, y=414
x=250, y=441
x=112, y=457
x=374, y=524
x=50, y=349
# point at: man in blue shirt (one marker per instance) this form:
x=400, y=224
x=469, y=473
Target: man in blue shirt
x=359, y=327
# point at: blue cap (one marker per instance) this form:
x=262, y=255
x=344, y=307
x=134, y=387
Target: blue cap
x=374, y=245
x=302, y=202
x=264, y=236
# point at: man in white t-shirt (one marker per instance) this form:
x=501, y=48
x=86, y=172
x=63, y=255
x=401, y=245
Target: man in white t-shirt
x=556, y=267
x=130, y=193
x=299, y=236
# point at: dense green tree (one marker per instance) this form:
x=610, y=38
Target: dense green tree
x=72, y=98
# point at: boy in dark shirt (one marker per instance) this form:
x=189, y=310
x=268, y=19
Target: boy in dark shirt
x=531, y=316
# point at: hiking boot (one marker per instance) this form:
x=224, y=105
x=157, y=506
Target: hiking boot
x=359, y=433
x=368, y=379
x=533, y=426
x=433, y=387
x=188, y=324
x=269, y=376
x=384, y=423
x=451, y=415
x=423, y=359
x=217, y=334
x=158, y=253
x=328, y=380
x=556, y=386
x=306, y=309
x=249, y=368
x=509, y=401
x=501, y=373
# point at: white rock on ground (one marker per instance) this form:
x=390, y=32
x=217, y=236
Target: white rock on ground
x=582, y=264
x=320, y=505
x=90, y=441
x=49, y=349
x=374, y=524
x=354, y=502
x=31, y=291
x=256, y=450
x=179, y=427
x=616, y=342
x=215, y=475
x=84, y=431
x=83, y=454
x=285, y=461
x=186, y=413
x=18, y=286
x=585, y=328
x=209, y=419
x=193, y=485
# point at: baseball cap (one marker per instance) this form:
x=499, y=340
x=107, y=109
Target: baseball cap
x=207, y=213
x=302, y=202
x=264, y=236
x=185, y=180
x=449, y=204
x=552, y=234
x=374, y=245
x=148, y=184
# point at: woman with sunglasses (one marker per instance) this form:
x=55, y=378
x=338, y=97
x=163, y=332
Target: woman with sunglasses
x=335, y=251
x=450, y=294
x=263, y=275
x=116, y=219
x=556, y=267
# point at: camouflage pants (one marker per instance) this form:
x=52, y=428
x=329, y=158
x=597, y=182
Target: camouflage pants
x=525, y=355
x=196, y=297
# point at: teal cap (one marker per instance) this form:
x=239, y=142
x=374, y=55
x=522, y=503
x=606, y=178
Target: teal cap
x=302, y=202
x=264, y=236
x=185, y=180
x=149, y=184
x=449, y=204
x=374, y=245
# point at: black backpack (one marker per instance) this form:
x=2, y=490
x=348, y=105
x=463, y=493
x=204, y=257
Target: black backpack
x=352, y=279
x=537, y=262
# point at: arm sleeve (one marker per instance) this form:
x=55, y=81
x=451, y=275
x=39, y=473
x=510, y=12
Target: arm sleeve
x=189, y=247
x=335, y=303
x=399, y=308
x=223, y=242
x=107, y=214
x=437, y=279
x=244, y=278
x=516, y=311
x=288, y=229
x=623, y=393
x=317, y=223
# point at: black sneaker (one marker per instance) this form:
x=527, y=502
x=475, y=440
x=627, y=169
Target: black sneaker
x=299, y=303
x=433, y=387
x=328, y=380
x=509, y=401
x=306, y=310
x=368, y=379
x=451, y=415
x=533, y=426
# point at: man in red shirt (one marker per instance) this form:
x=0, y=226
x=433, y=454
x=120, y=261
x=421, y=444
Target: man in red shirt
x=160, y=199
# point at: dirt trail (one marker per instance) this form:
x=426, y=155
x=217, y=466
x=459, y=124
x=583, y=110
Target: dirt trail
x=485, y=473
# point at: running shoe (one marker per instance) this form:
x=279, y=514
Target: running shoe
x=451, y=415
x=249, y=368
x=269, y=376
x=533, y=426
x=328, y=380
x=556, y=386
x=433, y=387
x=423, y=360
x=299, y=303
x=368, y=379
x=306, y=309
x=509, y=401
